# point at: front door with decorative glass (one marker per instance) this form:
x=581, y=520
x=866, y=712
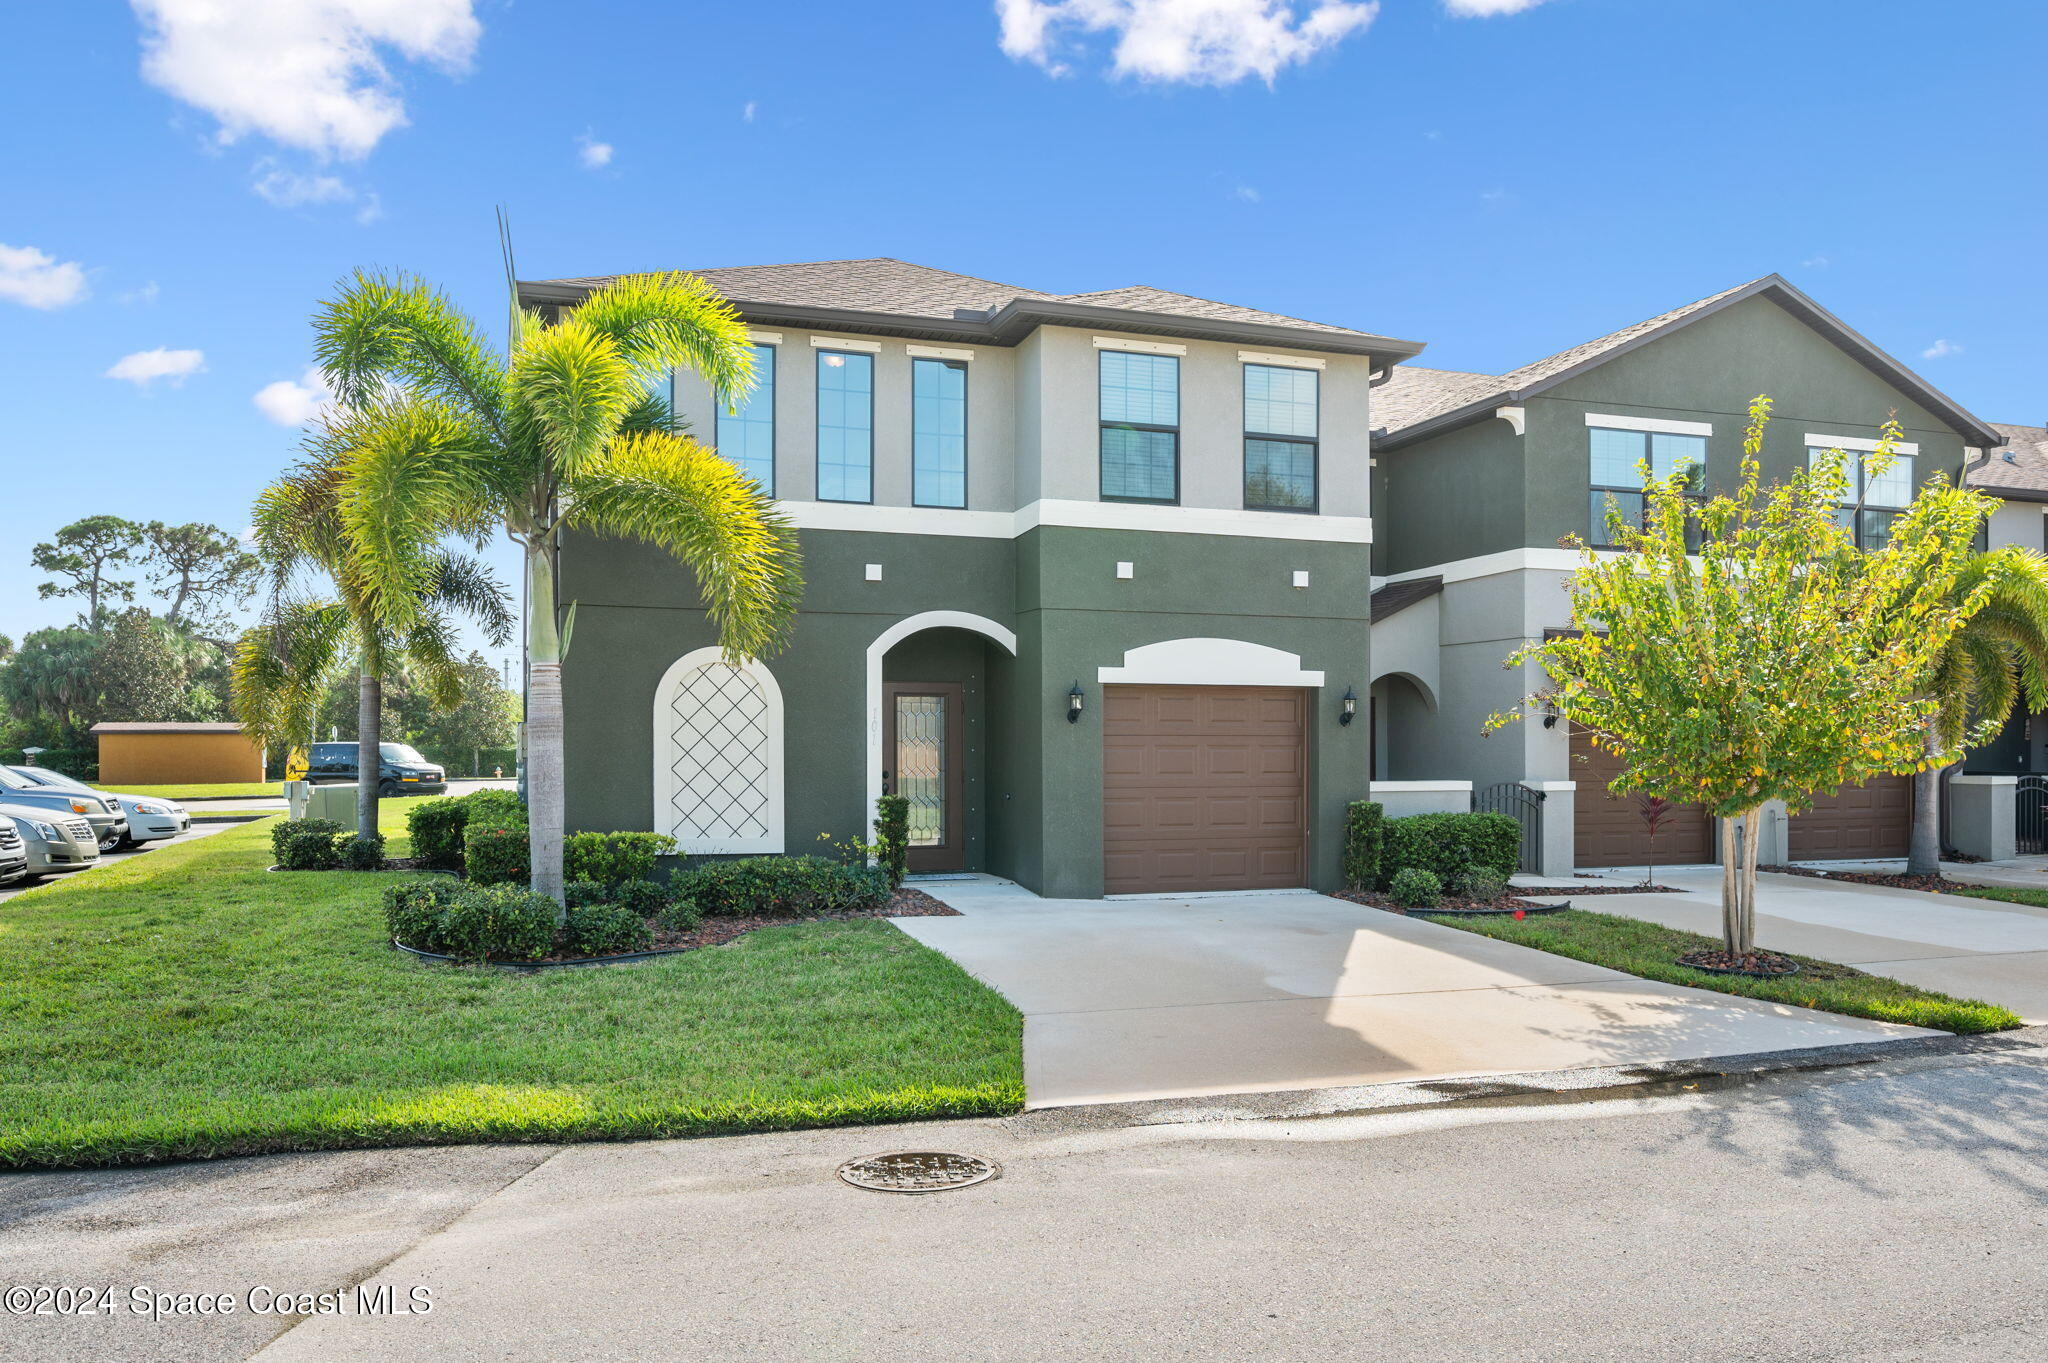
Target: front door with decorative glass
x=921, y=747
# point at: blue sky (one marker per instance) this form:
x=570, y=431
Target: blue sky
x=1498, y=178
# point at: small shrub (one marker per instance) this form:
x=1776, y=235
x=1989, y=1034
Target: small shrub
x=1364, y=830
x=496, y=923
x=1415, y=888
x=681, y=915
x=1482, y=883
x=644, y=897
x=306, y=844
x=782, y=887
x=495, y=853
x=358, y=853
x=606, y=930
x=892, y=836
x=579, y=893
x=436, y=828
x=613, y=858
x=412, y=910
x=494, y=806
x=1445, y=844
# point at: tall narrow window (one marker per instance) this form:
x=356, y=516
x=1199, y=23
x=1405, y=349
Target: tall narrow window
x=1617, y=475
x=1140, y=450
x=747, y=436
x=1873, y=497
x=846, y=426
x=938, y=432
x=1279, y=438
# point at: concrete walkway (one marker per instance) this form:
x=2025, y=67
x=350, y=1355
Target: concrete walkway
x=1134, y=999
x=1972, y=948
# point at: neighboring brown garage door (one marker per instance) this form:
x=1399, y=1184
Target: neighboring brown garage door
x=1204, y=788
x=1874, y=819
x=1608, y=830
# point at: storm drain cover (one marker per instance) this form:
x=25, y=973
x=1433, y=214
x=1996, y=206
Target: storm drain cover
x=917, y=1171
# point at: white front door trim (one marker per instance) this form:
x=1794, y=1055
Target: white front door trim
x=888, y=639
x=1208, y=662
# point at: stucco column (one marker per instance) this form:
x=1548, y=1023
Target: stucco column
x=1981, y=816
x=1774, y=837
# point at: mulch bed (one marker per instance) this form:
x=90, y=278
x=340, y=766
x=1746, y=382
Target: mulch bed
x=1898, y=880
x=1506, y=905
x=1763, y=965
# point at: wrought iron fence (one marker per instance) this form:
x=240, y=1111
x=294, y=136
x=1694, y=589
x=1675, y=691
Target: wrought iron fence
x=1525, y=807
x=2030, y=814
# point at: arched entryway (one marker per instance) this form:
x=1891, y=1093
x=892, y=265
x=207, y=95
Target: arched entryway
x=1402, y=710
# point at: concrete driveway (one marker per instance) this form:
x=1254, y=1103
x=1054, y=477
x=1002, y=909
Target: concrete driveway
x=1134, y=999
x=1972, y=948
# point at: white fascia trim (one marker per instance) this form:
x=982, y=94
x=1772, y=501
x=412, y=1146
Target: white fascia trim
x=1002, y=525
x=888, y=639
x=1817, y=441
x=1208, y=662
x=1141, y=347
x=1649, y=423
x=764, y=337
x=937, y=352
x=843, y=343
x=1281, y=361
x=1418, y=787
x=1490, y=565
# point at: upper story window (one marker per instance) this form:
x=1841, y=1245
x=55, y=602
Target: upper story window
x=846, y=426
x=1617, y=477
x=747, y=436
x=1280, y=438
x=938, y=432
x=1874, y=497
x=1140, y=406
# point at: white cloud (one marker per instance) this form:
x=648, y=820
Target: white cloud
x=291, y=403
x=1815, y=263
x=1246, y=194
x=291, y=189
x=145, y=367
x=309, y=74
x=1203, y=42
x=747, y=114
x=1482, y=9
x=38, y=279
x=1941, y=350
x=594, y=154
x=146, y=294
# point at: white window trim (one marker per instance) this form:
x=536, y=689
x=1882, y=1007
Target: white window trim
x=1005, y=525
x=937, y=352
x=765, y=337
x=888, y=639
x=1208, y=662
x=1649, y=423
x=843, y=343
x=1863, y=444
x=1280, y=361
x=1139, y=347
x=664, y=772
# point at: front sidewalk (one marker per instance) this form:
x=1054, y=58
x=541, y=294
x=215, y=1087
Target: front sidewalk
x=1134, y=999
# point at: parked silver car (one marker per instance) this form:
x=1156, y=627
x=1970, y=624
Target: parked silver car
x=149, y=818
x=53, y=842
x=103, y=812
x=13, y=853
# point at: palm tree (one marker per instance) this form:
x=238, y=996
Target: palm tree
x=564, y=434
x=1998, y=656
x=283, y=664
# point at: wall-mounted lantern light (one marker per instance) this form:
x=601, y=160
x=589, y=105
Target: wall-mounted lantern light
x=1074, y=699
x=1550, y=713
x=1349, y=711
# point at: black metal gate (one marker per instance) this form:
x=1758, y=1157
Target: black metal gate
x=2030, y=815
x=1525, y=807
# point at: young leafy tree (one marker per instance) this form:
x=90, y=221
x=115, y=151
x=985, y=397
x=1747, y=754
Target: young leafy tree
x=1772, y=661
x=565, y=435
x=201, y=570
x=84, y=556
x=139, y=673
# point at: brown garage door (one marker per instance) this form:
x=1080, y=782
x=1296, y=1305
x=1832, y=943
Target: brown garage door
x=1874, y=819
x=1204, y=788
x=1608, y=830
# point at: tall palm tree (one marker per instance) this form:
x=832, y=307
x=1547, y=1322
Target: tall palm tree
x=283, y=664
x=566, y=433
x=2000, y=655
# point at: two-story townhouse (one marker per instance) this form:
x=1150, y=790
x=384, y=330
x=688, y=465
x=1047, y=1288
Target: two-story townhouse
x=1086, y=579
x=2016, y=472
x=1480, y=476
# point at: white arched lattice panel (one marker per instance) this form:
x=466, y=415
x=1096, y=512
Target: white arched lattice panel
x=718, y=756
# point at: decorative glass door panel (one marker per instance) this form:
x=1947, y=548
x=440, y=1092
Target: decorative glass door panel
x=922, y=761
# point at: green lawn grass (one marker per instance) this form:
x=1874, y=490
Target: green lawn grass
x=184, y=1003
x=221, y=791
x=2009, y=894
x=1651, y=950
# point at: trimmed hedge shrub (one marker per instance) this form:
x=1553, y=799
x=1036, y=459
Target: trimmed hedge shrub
x=412, y=910
x=1479, y=882
x=495, y=853
x=1445, y=844
x=1415, y=888
x=1365, y=824
x=578, y=893
x=471, y=922
x=613, y=858
x=680, y=915
x=892, y=836
x=644, y=897
x=306, y=844
x=436, y=828
x=358, y=853
x=782, y=887
x=606, y=930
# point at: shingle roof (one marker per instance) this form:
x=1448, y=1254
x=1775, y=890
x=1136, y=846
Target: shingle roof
x=1145, y=298
x=1413, y=394
x=2018, y=469
x=1396, y=597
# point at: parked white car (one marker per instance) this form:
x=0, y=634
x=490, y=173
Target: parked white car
x=149, y=817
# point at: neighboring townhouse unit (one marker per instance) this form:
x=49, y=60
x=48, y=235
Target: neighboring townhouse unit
x=1479, y=477
x=1086, y=578
x=2016, y=473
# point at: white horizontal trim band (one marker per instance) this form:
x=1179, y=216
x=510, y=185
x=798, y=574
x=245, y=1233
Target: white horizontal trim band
x=1003, y=525
x=1418, y=787
x=842, y=343
x=1141, y=347
x=937, y=352
x=1649, y=423
x=1816, y=441
x=765, y=337
x=1282, y=361
x=1490, y=565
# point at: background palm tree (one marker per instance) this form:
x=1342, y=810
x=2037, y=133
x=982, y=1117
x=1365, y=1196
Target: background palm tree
x=2000, y=655
x=572, y=431
x=283, y=665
